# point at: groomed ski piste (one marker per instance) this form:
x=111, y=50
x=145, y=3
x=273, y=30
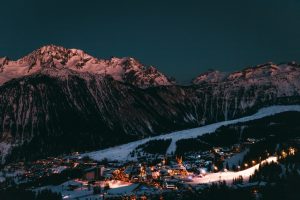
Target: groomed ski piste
x=122, y=152
x=228, y=176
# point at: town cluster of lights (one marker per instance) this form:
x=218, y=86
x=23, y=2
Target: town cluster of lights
x=290, y=152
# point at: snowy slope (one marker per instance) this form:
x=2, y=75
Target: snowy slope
x=122, y=152
x=229, y=175
x=82, y=192
x=235, y=159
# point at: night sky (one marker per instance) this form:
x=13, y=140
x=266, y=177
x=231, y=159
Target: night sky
x=181, y=38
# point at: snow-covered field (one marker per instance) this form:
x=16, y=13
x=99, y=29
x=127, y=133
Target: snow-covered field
x=122, y=152
x=235, y=159
x=83, y=192
x=229, y=175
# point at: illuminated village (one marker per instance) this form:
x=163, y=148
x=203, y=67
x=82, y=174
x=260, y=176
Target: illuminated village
x=79, y=177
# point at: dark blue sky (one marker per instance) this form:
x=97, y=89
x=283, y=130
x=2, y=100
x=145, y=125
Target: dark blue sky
x=182, y=38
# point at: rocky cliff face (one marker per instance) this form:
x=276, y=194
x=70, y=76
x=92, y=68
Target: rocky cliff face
x=55, y=108
x=242, y=90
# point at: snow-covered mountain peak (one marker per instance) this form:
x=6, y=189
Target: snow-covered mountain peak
x=266, y=71
x=210, y=76
x=54, y=56
x=263, y=73
x=59, y=51
x=125, y=69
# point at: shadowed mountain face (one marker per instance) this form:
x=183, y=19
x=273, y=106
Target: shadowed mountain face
x=61, y=109
x=84, y=111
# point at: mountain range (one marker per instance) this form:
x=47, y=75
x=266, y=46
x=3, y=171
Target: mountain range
x=57, y=100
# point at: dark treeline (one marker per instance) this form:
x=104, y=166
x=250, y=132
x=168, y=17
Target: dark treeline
x=191, y=145
x=156, y=146
x=268, y=172
x=281, y=127
x=260, y=150
x=270, y=131
x=273, y=129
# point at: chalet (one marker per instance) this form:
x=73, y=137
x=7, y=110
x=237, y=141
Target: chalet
x=94, y=173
